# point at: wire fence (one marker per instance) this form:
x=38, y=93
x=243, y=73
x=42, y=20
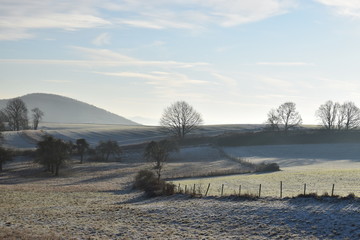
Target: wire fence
x=281, y=190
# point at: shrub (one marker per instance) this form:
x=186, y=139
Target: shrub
x=147, y=181
x=267, y=167
x=350, y=196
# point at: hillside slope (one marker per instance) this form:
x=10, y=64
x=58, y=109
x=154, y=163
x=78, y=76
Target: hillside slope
x=59, y=109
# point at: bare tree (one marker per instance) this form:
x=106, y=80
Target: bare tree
x=180, y=119
x=105, y=149
x=349, y=116
x=3, y=119
x=81, y=145
x=328, y=114
x=273, y=120
x=52, y=153
x=5, y=155
x=158, y=154
x=288, y=115
x=37, y=116
x=16, y=114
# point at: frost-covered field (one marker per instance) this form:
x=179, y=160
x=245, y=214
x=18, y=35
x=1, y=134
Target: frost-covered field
x=93, y=133
x=319, y=166
x=95, y=201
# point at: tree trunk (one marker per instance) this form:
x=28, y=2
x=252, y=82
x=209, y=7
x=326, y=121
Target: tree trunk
x=57, y=170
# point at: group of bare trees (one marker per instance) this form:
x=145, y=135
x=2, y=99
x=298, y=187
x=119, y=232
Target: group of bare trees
x=334, y=115
x=53, y=153
x=15, y=114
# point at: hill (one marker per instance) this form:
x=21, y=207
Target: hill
x=60, y=109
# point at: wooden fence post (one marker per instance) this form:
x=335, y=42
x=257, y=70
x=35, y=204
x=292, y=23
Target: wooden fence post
x=222, y=190
x=304, y=189
x=185, y=189
x=194, y=190
x=259, y=190
x=239, y=190
x=207, y=190
x=179, y=189
x=281, y=188
x=332, y=190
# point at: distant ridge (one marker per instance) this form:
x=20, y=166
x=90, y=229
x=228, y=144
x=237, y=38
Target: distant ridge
x=60, y=109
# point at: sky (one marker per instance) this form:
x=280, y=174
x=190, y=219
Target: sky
x=233, y=60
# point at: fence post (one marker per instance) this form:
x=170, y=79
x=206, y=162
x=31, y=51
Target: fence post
x=207, y=190
x=194, y=189
x=281, y=188
x=179, y=190
x=222, y=190
x=259, y=190
x=304, y=189
x=332, y=190
x=185, y=189
x=239, y=190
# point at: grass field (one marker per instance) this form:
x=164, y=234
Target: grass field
x=96, y=201
x=319, y=166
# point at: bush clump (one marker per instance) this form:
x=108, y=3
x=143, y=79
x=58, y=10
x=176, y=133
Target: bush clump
x=267, y=167
x=147, y=181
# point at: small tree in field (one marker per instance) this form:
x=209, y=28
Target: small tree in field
x=108, y=148
x=158, y=154
x=3, y=119
x=180, y=119
x=286, y=116
x=81, y=145
x=16, y=114
x=5, y=156
x=37, y=115
x=328, y=114
x=349, y=116
x=52, y=153
x=273, y=121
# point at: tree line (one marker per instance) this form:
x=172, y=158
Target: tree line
x=331, y=115
x=15, y=114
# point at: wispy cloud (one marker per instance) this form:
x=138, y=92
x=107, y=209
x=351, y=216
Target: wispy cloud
x=102, y=39
x=172, y=79
x=130, y=75
x=349, y=8
x=105, y=57
x=57, y=81
x=165, y=84
x=14, y=34
x=112, y=57
x=284, y=64
x=192, y=14
x=225, y=79
x=24, y=16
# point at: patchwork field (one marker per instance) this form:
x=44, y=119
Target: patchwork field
x=96, y=200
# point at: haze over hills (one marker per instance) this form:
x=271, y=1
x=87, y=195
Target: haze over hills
x=60, y=109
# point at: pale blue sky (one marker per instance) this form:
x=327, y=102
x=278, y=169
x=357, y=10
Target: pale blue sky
x=232, y=60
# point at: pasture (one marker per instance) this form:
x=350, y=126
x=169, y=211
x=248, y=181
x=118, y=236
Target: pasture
x=95, y=200
x=319, y=166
